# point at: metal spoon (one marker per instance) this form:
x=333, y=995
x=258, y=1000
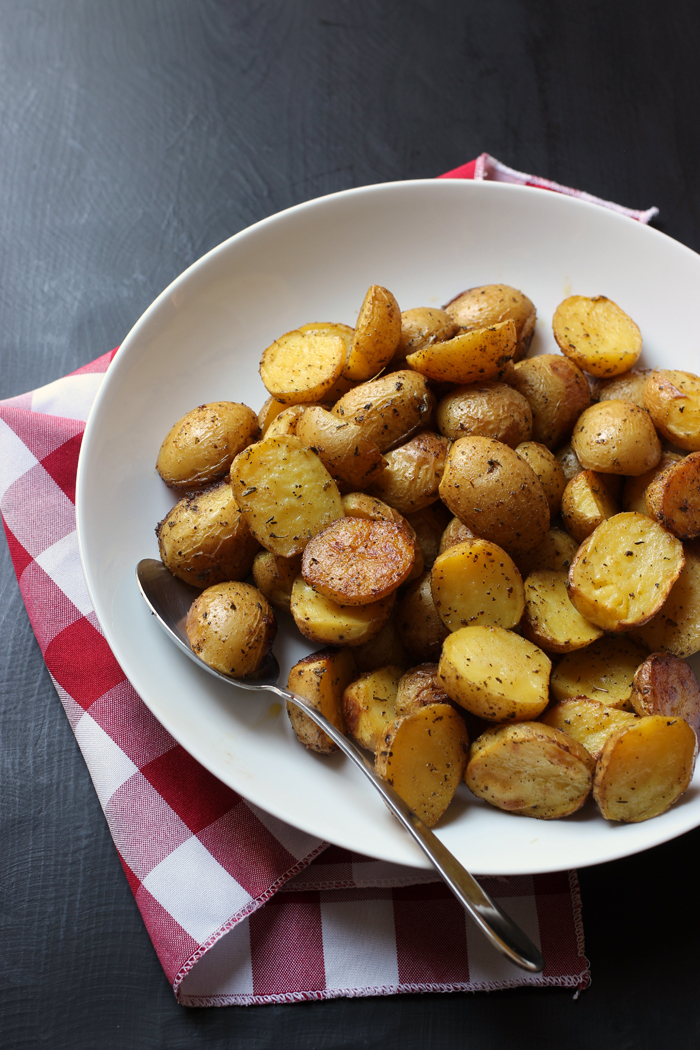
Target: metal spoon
x=169, y=600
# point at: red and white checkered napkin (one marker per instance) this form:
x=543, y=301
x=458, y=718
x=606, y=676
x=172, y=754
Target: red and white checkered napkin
x=201, y=861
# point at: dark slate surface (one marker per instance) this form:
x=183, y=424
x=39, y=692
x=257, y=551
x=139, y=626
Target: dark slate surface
x=134, y=136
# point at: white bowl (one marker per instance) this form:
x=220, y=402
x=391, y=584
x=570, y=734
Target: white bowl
x=201, y=340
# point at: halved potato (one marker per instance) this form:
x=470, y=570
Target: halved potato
x=494, y=410
x=556, y=551
x=423, y=756
x=389, y=409
x=320, y=678
x=634, y=491
x=275, y=577
x=548, y=469
x=476, y=582
x=495, y=674
x=456, y=532
x=231, y=626
x=597, y=335
x=468, y=357
x=586, y=503
x=616, y=437
x=304, y=365
x=200, y=447
x=412, y=473
x=530, y=769
x=348, y=456
x=644, y=768
x=557, y=393
x=421, y=629
x=422, y=326
x=623, y=573
x=588, y=721
x=322, y=620
x=285, y=494
x=665, y=685
x=376, y=336
x=354, y=561
x=270, y=410
x=285, y=423
x=491, y=303
x=369, y=705
x=550, y=620
x=676, y=628
x=603, y=671
x=672, y=399
x=673, y=498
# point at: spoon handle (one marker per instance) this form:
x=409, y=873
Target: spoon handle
x=503, y=933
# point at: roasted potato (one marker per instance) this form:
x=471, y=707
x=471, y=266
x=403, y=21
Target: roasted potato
x=588, y=721
x=390, y=409
x=676, y=628
x=556, y=551
x=303, y=365
x=586, y=503
x=673, y=498
x=644, y=768
x=423, y=756
x=634, y=491
x=376, y=336
x=385, y=648
x=469, y=357
x=421, y=629
x=476, y=582
x=557, y=393
x=628, y=387
x=616, y=437
x=270, y=410
x=603, y=671
x=597, y=335
x=412, y=473
x=420, y=327
x=550, y=620
x=322, y=620
x=494, y=410
x=495, y=493
x=200, y=447
x=285, y=422
x=204, y=539
x=354, y=561
x=419, y=687
x=285, y=494
x=320, y=678
x=530, y=769
x=672, y=399
x=348, y=456
x=495, y=674
x=231, y=626
x=624, y=571
x=369, y=705
x=491, y=303
x=275, y=577
x=455, y=532
x=548, y=469
x=429, y=525
x=568, y=461
x=665, y=685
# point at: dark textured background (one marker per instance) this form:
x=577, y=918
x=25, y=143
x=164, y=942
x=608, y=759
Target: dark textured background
x=134, y=136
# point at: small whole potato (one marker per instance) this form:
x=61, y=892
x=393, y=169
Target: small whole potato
x=548, y=469
x=557, y=392
x=389, y=409
x=493, y=410
x=491, y=303
x=231, y=626
x=200, y=447
x=616, y=437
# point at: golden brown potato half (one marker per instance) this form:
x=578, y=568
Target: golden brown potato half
x=494, y=410
x=418, y=688
x=348, y=456
x=429, y=525
x=421, y=629
x=412, y=473
x=469, y=357
x=231, y=626
x=530, y=769
x=369, y=705
x=557, y=393
x=672, y=399
x=588, y=721
x=285, y=423
x=204, y=539
x=616, y=437
x=597, y=335
x=556, y=551
x=623, y=573
x=201, y=446
x=603, y=671
x=455, y=532
x=324, y=621
x=422, y=326
x=644, y=768
x=285, y=494
x=626, y=387
x=665, y=685
x=385, y=648
x=270, y=410
x=550, y=620
x=495, y=674
x=423, y=756
x=388, y=409
x=476, y=582
x=491, y=303
x=548, y=469
x=377, y=334
x=496, y=494
x=673, y=498
x=275, y=577
x=586, y=503
x=369, y=508
x=354, y=561
x=634, y=491
x=305, y=364
x=320, y=678
x=568, y=461
x=676, y=628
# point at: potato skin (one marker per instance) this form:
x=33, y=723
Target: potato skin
x=348, y=456
x=204, y=539
x=275, y=577
x=665, y=685
x=673, y=498
x=494, y=410
x=557, y=392
x=616, y=437
x=496, y=494
x=548, y=469
x=355, y=561
x=422, y=631
x=412, y=473
x=200, y=447
x=231, y=626
x=420, y=327
x=634, y=490
x=672, y=399
x=419, y=687
x=376, y=336
x=628, y=387
x=490, y=303
x=389, y=409
x=556, y=551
